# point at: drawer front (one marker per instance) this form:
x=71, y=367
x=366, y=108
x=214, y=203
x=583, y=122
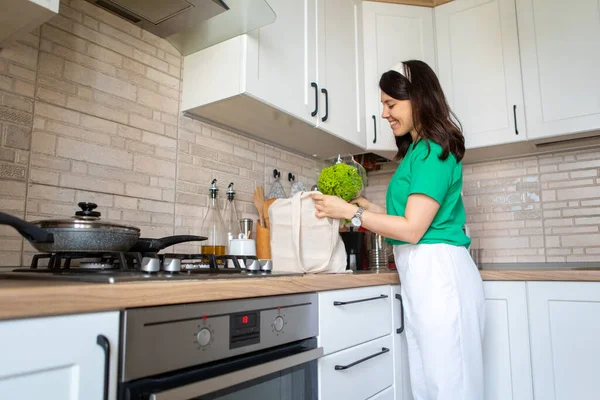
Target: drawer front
x=387, y=394
x=353, y=316
x=362, y=371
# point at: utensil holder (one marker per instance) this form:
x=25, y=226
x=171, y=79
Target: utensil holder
x=263, y=243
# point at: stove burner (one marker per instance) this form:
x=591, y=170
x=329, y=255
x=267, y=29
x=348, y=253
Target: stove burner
x=93, y=265
x=126, y=267
x=63, y=260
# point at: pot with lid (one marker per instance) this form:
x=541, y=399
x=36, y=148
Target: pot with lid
x=83, y=232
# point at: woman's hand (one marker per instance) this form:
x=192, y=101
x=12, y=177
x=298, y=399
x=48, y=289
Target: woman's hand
x=362, y=202
x=368, y=206
x=333, y=207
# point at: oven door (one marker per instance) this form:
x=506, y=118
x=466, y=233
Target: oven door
x=284, y=373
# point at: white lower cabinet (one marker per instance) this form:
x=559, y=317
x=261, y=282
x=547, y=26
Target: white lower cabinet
x=361, y=333
x=564, y=320
x=387, y=394
x=353, y=316
x=506, y=360
x=402, y=388
x=60, y=358
x=357, y=373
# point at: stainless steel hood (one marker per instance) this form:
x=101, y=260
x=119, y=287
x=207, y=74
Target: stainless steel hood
x=193, y=25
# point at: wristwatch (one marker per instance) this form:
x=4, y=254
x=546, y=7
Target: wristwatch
x=357, y=218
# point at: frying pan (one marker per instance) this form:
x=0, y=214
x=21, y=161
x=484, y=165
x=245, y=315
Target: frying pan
x=146, y=245
x=85, y=231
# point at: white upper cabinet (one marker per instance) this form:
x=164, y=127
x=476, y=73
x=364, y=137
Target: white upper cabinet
x=70, y=357
x=560, y=54
x=391, y=33
x=19, y=17
x=340, y=70
x=479, y=69
x=281, y=60
x=565, y=350
x=268, y=83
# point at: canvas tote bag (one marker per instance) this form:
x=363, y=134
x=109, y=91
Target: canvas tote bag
x=301, y=242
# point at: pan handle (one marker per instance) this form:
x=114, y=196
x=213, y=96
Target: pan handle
x=146, y=245
x=29, y=231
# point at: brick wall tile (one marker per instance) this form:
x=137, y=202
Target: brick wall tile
x=91, y=183
x=63, y=38
x=100, y=81
x=162, y=78
x=97, y=110
x=21, y=72
x=21, y=54
x=152, y=166
x=147, y=124
x=143, y=191
x=127, y=38
x=76, y=150
x=157, y=102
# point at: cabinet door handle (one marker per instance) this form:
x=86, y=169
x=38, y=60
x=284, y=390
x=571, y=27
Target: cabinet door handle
x=515, y=117
x=375, y=129
x=401, y=329
x=343, y=303
x=324, y=91
x=343, y=367
x=103, y=342
x=314, y=84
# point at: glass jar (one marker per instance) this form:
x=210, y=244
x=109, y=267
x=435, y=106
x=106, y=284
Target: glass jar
x=230, y=215
x=213, y=226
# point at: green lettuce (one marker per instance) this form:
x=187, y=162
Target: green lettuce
x=340, y=180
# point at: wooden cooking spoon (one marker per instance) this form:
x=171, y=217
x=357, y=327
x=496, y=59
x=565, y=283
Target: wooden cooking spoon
x=259, y=202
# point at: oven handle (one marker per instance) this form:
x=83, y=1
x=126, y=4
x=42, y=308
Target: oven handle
x=194, y=390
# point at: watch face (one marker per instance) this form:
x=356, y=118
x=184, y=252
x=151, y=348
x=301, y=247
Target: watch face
x=356, y=221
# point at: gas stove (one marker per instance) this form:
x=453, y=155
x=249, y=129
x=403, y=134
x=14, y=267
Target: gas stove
x=115, y=267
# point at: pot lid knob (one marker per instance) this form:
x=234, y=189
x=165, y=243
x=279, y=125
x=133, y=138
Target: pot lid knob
x=87, y=210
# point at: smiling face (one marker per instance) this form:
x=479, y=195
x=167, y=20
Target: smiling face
x=399, y=114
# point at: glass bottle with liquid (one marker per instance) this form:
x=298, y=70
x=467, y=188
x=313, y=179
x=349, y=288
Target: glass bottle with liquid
x=230, y=215
x=213, y=227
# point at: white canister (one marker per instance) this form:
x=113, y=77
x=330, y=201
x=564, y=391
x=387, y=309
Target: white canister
x=242, y=246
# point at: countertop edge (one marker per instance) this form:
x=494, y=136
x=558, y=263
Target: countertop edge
x=21, y=299
x=28, y=299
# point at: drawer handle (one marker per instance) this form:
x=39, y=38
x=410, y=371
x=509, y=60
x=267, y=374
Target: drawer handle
x=316, y=110
x=343, y=303
x=515, y=117
x=326, y=104
x=343, y=367
x=401, y=329
x=374, y=129
x=103, y=342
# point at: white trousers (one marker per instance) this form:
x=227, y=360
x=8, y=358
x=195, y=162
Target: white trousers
x=444, y=314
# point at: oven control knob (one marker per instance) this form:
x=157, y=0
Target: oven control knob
x=203, y=337
x=278, y=324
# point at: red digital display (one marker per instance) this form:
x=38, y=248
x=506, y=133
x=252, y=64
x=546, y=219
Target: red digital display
x=244, y=319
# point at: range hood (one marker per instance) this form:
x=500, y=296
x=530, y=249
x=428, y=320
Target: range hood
x=192, y=25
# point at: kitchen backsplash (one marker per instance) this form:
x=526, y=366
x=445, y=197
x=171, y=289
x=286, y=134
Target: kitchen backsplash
x=543, y=208
x=89, y=111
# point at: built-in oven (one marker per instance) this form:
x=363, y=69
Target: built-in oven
x=263, y=348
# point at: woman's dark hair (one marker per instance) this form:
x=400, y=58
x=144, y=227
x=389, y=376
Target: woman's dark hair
x=431, y=114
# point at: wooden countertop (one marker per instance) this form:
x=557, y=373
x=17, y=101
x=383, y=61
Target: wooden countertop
x=27, y=298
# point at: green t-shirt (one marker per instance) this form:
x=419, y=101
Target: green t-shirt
x=421, y=171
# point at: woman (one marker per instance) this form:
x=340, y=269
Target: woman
x=441, y=287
